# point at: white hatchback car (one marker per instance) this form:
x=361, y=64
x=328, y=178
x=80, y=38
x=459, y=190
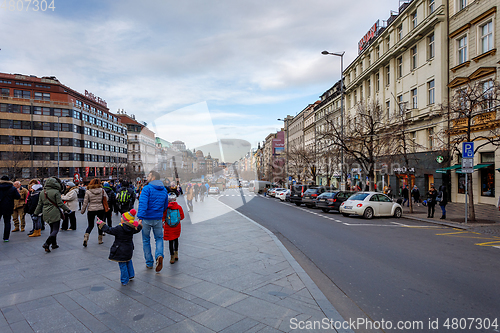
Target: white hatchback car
x=213, y=190
x=370, y=204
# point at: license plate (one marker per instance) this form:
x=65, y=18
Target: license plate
x=348, y=207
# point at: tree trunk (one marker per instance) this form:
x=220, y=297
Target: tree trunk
x=470, y=209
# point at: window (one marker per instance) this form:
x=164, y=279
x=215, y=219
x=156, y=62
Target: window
x=369, y=60
x=400, y=32
x=388, y=75
x=414, y=20
x=487, y=92
x=414, y=57
x=361, y=66
x=400, y=66
x=486, y=39
x=22, y=94
x=361, y=93
x=430, y=49
x=431, y=6
x=5, y=92
x=42, y=96
x=414, y=104
x=401, y=104
x=377, y=52
x=355, y=97
x=462, y=50
x=430, y=133
x=388, y=42
x=431, y=92
x=462, y=4
x=488, y=175
x=377, y=82
x=388, y=108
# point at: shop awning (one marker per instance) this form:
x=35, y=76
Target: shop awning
x=453, y=167
x=478, y=166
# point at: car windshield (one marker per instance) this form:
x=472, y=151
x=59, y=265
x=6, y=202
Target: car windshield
x=311, y=190
x=327, y=195
x=359, y=196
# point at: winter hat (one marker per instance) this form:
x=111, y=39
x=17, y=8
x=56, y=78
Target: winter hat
x=106, y=184
x=172, y=197
x=70, y=184
x=36, y=187
x=4, y=177
x=129, y=217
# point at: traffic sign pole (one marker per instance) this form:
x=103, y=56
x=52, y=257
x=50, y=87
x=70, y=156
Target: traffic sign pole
x=467, y=167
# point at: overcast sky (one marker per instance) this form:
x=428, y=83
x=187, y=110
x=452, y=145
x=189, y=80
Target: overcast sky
x=240, y=64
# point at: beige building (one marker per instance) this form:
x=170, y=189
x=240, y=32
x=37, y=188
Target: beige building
x=474, y=38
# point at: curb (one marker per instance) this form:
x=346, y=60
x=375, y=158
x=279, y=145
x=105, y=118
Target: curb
x=325, y=305
x=445, y=224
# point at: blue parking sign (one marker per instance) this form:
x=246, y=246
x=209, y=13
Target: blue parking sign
x=468, y=150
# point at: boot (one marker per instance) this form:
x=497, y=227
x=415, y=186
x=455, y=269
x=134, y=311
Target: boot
x=85, y=239
x=31, y=232
x=443, y=217
x=176, y=255
x=172, y=259
x=16, y=229
x=36, y=233
x=100, y=239
x=22, y=229
x=47, y=243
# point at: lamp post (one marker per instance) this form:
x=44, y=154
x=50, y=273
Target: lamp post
x=287, y=156
x=58, y=144
x=341, y=55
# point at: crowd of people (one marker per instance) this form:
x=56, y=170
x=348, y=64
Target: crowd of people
x=55, y=203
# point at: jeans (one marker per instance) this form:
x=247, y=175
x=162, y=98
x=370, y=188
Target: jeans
x=127, y=271
x=37, y=222
x=157, y=226
x=405, y=200
x=190, y=205
x=91, y=220
x=6, y=228
x=443, y=209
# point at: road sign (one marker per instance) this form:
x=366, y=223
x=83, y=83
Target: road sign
x=468, y=150
x=467, y=165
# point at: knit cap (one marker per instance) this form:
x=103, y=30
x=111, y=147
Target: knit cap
x=129, y=218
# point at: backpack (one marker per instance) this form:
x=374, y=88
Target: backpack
x=173, y=217
x=439, y=197
x=123, y=197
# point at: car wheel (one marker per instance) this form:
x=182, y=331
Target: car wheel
x=368, y=214
x=298, y=203
x=345, y=214
x=398, y=213
x=326, y=210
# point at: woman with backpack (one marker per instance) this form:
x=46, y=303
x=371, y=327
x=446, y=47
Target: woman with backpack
x=94, y=197
x=52, y=208
x=172, y=226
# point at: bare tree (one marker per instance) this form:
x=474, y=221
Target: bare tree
x=363, y=140
x=472, y=114
x=14, y=159
x=302, y=163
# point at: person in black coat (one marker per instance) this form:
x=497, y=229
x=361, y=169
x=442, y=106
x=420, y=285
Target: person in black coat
x=431, y=201
x=442, y=198
x=7, y=195
x=122, y=249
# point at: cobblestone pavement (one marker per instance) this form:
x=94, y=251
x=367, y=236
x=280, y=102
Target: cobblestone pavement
x=232, y=276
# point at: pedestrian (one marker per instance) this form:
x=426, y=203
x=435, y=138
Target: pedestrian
x=93, y=202
x=111, y=203
x=405, y=195
x=52, y=208
x=30, y=208
x=179, y=188
x=206, y=189
x=18, y=213
x=152, y=203
x=202, y=193
x=415, y=193
x=8, y=193
x=122, y=249
x=189, y=197
x=431, y=201
x=389, y=191
x=442, y=199
x=196, y=191
x=71, y=200
x=125, y=198
x=173, y=189
x=81, y=195
x=172, y=218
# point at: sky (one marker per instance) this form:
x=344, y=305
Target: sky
x=199, y=71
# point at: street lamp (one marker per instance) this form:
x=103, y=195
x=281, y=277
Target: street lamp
x=58, y=143
x=341, y=55
x=287, y=156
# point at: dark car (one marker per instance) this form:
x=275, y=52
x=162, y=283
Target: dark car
x=311, y=194
x=297, y=192
x=332, y=200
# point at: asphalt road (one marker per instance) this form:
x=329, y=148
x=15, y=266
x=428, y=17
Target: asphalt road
x=389, y=269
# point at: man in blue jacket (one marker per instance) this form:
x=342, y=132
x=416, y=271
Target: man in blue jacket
x=152, y=203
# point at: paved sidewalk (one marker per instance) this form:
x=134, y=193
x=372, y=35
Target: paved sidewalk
x=487, y=216
x=232, y=276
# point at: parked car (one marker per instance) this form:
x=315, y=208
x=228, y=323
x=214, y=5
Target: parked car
x=273, y=191
x=297, y=192
x=284, y=195
x=213, y=190
x=311, y=194
x=370, y=204
x=332, y=200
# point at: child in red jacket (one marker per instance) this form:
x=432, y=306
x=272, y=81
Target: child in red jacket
x=172, y=226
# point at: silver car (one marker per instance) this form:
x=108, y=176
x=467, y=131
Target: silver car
x=370, y=204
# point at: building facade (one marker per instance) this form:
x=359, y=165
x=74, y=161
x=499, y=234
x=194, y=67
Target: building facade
x=48, y=129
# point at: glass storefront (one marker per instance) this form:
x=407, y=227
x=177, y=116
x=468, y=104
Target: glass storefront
x=487, y=175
